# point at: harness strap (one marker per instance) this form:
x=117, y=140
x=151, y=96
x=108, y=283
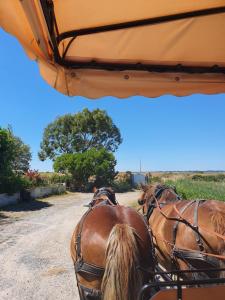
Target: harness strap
x=184, y=254
x=158, y=193
x=194, y=226
x=152, y=205
x=197, y=233
x=78, y=238
x=175, y=226
x=84, y=268
x=89, y=294
x=202, y=227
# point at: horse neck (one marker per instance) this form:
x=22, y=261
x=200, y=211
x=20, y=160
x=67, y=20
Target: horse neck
x=167, y=198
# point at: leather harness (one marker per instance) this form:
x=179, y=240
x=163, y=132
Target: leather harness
x=183, y=254
x=85, y=268
x=82, y=267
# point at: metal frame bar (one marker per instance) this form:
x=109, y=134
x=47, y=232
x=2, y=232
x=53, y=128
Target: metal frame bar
x=56, y=38
x=180, y=283
x=143, y=22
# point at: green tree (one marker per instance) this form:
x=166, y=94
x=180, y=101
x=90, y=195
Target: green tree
x=78, y=133
x=14, y=159
x=22, y=156
x=6, y=152
x=15, y=156
x=99, y=164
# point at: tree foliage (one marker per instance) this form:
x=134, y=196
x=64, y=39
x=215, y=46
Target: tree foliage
x=22, y=156
x=15, y=156
x=98, y=164
x=6, y=152
x=78, y=133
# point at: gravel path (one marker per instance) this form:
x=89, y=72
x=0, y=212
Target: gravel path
x=34, y=247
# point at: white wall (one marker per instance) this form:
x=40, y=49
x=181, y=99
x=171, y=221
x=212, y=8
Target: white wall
x=138, y=178
x=40, y=192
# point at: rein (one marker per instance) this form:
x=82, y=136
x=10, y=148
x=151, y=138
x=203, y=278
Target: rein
x=188, y=249
x=180, y=218
x=202, y=227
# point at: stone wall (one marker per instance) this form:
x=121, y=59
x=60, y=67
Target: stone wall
x=41, y=192
x=38, y=192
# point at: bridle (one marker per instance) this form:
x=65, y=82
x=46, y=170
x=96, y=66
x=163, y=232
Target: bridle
x=183, y=254
x=155, y=197
x=104, y=191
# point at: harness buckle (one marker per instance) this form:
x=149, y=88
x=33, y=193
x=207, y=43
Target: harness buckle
x=78, y=265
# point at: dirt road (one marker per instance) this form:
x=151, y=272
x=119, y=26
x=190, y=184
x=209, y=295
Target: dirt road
x=34, y=247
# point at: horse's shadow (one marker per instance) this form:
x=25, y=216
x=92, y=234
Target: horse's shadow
x=31, y=205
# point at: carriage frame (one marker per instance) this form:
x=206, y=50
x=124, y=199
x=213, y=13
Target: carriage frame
x=171, y=285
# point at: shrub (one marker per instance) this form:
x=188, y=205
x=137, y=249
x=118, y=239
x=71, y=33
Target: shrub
x=122, y=182
x=12, y=184
x=212, y=178
x=155, y=179
x=34, y=178
x=83, y=166
x=121, y=186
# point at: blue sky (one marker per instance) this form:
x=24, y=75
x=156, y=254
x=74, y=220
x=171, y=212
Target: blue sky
x=166, y=133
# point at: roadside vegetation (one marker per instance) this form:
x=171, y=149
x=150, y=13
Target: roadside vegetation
x=81, y=147
x=15, y=159
x=190, y=189
x=195, y=186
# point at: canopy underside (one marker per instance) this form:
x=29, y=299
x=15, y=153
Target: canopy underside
x=123, y=48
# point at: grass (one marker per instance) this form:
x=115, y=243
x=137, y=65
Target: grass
x=191, y=189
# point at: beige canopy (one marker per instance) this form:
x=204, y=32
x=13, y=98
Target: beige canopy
x=123, y=47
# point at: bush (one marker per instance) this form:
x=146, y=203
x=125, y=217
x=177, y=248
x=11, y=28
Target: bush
x=34, y=178
x=15, y=157
x=97, y=164
x=209, y=178
x=121, y=186
x=122, y=182
x=155, y=179
x=61, y=178
x=12, y=184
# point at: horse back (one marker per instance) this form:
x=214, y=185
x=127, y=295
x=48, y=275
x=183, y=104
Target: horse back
x=96, y=228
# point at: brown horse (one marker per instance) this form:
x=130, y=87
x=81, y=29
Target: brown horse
x=187, y=234
x=112, y=250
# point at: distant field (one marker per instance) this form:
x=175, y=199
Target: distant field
x=190, y=189
x=195, y=186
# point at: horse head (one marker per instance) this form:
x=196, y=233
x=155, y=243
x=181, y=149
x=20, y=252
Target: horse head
x=103, y=194
x=156, y=194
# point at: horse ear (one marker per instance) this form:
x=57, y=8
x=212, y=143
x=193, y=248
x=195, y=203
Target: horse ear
x=94, y=189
